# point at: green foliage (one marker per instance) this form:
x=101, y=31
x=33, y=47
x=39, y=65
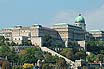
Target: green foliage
x=48, y=66
x=84, y=67
x=47, y=57
x=13, y=57
x=50, y=58
x=2, y=40
x=61, y=63
x=67, y=52
x=4, y=51
x=73, y=54
x=95, y=46
x=17, y=67
x=30, y=55
x=39, y=55
x=47, y=40
x=59, y=44
x=45, y=66
x=100, y=57
x=80, y=55
x=73, y=44
x=51, y=42
x=91, y=57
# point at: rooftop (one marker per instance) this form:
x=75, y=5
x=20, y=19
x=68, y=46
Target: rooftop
x=61, y=24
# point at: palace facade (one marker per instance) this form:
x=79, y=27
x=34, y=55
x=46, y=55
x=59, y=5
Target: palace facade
x=60, y=31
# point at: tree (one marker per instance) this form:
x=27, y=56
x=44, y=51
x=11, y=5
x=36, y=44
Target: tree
x=2, y=40
x=48, y=57
x=91, y=57
x=100, y=57
x=95, y=46
x=81, y=55
x=5, y=65
x=4, y=51
x=67, y=52
x=47, y=40
x=29, y=55
x=45, y=66
x=11, y=55
x=61, y=63
x=39, y=55
x=59, y=44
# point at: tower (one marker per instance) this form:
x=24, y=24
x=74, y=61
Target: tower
x=80, y=22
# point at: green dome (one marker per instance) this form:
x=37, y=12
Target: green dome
x=79, y=19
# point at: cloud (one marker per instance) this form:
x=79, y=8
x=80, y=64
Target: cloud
x=94, y=18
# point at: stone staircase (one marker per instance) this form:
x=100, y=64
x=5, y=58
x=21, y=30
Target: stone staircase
x=73, y=65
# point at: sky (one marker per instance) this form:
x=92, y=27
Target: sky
x=49, y=12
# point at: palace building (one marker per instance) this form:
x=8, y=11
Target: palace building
x=60, y=31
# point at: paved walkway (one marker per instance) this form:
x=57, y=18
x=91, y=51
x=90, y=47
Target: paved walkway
x=55, y=53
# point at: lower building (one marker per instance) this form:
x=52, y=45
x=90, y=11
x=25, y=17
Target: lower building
x=97, y=35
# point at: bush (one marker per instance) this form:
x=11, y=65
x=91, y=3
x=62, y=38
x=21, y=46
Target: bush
x=17, y=67
x=45, y=66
